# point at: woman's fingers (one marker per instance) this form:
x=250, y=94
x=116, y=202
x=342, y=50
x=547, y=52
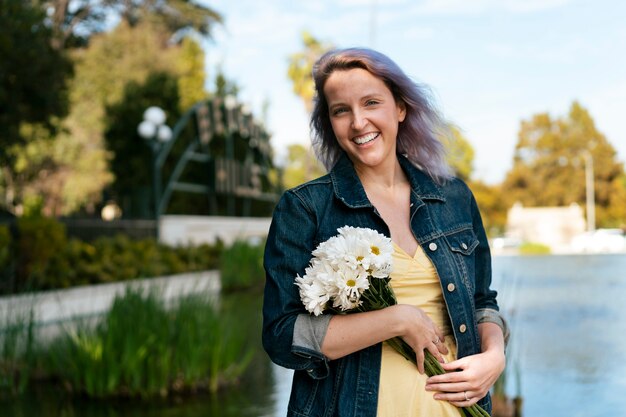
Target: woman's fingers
x=459, y=399
x=439, y=343
x=419, y=356
x=470, y=375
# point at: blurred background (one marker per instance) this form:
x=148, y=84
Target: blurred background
x=147, y=141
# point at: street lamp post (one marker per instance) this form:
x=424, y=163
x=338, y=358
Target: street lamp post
x=590, y=192
x=590, y=198
x=156, y=133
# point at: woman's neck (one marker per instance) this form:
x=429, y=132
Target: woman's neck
x=382, y=178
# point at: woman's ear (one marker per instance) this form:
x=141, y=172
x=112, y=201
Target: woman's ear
x=401, y=110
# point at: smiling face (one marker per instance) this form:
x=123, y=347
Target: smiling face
x=364, y=116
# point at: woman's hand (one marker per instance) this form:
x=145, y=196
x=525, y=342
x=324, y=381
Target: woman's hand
x=420, y=332
x=469, y=379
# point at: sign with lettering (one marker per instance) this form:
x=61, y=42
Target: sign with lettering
x=237, y=174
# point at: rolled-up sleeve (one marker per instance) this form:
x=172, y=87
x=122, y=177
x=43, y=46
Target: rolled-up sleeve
x=309, y=331
x=488, y=315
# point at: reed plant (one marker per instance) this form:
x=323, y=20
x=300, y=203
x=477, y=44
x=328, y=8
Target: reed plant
x=143, y=349
x=17, y=353
x=241, y=266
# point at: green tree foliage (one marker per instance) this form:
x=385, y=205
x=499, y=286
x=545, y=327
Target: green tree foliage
x=549, y=165
x=460, y=153
x=224, y=86
x=301, y=67
x=65, y=169
x=73, y=22
x=132, y=159
x=33, y=76
x=493, y=207
x=191, y=74
x=113, y=63
x=54, y=176
x=302, y=166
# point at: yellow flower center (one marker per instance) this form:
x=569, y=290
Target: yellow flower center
x=359, y=258
x=351, y=283
x=375, y=250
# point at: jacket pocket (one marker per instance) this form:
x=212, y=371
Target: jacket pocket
x=463, y=242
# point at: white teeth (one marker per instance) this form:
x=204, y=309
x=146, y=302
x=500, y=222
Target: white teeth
x=365, y=138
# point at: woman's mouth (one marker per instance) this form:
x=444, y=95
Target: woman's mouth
x=361, y=140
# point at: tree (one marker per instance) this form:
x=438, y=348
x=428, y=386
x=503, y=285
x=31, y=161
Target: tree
x=33, y=76
x=111, y=78
x=33, y=88
x=191, y=72
x=81, y=160
x=460, y=156
x=302, y=166
x=549, y=165
x=224, y=86
x=75, y=21
x=131, y=158
x=301, y=67
x=460, y=153
x=493, y=207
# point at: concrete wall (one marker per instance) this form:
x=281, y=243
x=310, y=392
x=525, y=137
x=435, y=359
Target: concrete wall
x=59, y=306
x=183, y=230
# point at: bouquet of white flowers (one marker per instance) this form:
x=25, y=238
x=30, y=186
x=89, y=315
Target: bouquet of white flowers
x=350, y=273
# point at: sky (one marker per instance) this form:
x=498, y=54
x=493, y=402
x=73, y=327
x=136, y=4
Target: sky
x=489, y=63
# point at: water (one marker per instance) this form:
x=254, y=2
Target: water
x=565, y=356
x=569, y=333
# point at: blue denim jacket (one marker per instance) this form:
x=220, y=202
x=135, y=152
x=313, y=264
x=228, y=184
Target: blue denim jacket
x=446, y=223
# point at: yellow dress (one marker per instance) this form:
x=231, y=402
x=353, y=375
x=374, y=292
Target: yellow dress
x=401, y=392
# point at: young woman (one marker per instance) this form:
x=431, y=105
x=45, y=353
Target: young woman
x=377, y=133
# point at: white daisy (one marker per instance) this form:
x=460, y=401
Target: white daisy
x=351, y=285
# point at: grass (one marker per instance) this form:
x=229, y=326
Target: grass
x=17, y=353
x=241, y=266
x=531, y=248
x=139, y=349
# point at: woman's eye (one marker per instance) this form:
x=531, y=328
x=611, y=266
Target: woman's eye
x=371, y=102
x=338, y=111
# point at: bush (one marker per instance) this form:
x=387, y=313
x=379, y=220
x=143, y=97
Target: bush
x=6, y=260
x=39, y=239
x=530, y=248
x=46, y=259
x=241, y=266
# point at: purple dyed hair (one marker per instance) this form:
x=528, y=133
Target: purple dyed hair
x=418, y=134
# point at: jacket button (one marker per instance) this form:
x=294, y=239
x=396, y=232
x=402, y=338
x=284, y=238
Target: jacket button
x=451, y=287
x=464, y=246
x=432, y=246
x=462, y=328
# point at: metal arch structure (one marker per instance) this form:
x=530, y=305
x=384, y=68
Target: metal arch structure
x=244, y=179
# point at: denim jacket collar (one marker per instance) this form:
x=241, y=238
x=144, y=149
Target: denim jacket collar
x=348, y=187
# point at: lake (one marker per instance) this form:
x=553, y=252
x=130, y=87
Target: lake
x=565, y=356
x=569, y=332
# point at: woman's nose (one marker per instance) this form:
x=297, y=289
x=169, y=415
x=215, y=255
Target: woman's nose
x=358, y=120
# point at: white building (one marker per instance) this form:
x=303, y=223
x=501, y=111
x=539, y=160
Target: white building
x=554, y=227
